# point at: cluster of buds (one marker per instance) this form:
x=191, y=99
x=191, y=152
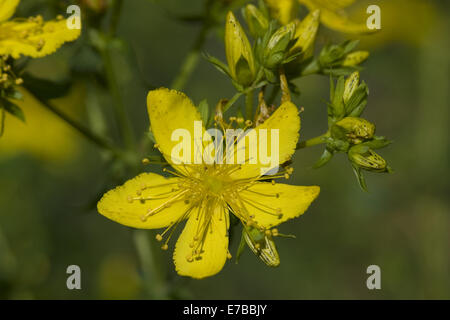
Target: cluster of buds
x=349, y=133
x=287, y=46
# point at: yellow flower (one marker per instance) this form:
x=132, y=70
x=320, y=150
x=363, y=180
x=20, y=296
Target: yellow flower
x=205, y=194
x=333, y=16
x=43, y=135
x=31, y=37
x=284, y=11
x=409, y=22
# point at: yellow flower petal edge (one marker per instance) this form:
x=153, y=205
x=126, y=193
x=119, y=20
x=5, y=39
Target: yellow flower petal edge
x=7, y=9
x=287, y=121
x=289, y=202
x=130, y=203
x=214, y=244
x=333, y=17
x=33, y=37
x=283, y=10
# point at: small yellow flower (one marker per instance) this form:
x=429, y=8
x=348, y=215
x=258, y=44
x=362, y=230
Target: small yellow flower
x=206, y=194
x=334, y=17
x=32, y=36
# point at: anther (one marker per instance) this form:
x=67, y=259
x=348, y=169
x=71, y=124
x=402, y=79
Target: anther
x=229, y=256
x=145, y=161
x=248, y=123
x=158, y=237
x=189, y=259
x=164, y=247
x=130, y=199
x=275, y=232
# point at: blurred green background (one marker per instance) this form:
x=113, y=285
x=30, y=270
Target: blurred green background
x=50, y=178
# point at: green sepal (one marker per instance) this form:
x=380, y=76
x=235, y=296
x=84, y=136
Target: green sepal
x=219, y=65
x=12, y=109
x=326, y=156
x=360, y=178
x=203, y=108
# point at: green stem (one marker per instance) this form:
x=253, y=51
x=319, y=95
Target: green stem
x=83, y=130
x=153, y=278
x=119, y=107
x=115, y=17
x=249, y=105
x=192, y=59
x=311, y=68
x=314, y=141
x=232, y=101
x=2, y=122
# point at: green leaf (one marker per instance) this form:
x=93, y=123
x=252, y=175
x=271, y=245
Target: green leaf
x=12, y=109
x=360, y=178
x=219, y=65
x=203, y=108
x=241, y=248
x=377, y=143
x=324, y=159
x=358, y=101
x=46, y=89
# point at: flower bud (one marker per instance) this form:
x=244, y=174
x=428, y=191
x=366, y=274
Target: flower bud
x=256, y=21
x=239, y=52
x=365, y=158
x=305, y=33
x=350, y=86
x=355, y=58
x=283, y=10
x=353, y=129
x=278, y=46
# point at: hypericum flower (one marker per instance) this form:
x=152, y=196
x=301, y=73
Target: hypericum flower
x=333, y=16
x=206, y=194
x=32, y=36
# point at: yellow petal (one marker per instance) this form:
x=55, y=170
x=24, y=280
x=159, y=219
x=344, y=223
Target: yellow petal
x=287, y=121
x=43, y=135
x=283, y=10
x=335, y=18
x=214, y=249
x=266, y=201
x=334, y=4
x=7, y=9
x=34, y=38
x=170, y=110
x=117, y=205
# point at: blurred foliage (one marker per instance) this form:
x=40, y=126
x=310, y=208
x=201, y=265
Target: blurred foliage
x=47, y=215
